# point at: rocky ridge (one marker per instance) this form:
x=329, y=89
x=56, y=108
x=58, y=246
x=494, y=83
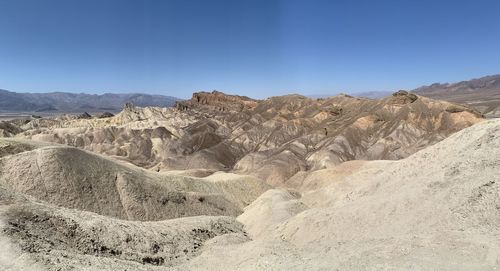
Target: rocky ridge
x=273, y=139
x=483, y=94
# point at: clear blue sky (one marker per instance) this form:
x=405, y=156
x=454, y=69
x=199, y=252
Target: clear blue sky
x=256, y=48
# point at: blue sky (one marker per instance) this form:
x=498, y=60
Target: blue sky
x=250, y=47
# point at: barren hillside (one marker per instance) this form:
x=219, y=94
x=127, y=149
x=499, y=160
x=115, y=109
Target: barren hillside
x=229, y=183
x=438, y=208
x=272, y=139
x=483, y=94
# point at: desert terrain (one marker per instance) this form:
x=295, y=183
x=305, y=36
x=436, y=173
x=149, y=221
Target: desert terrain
x=483, y=93
x=227, y=182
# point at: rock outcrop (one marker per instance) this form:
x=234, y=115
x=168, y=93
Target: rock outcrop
x=8, y=129
x=217, y=101
x=403, y=97
x=84, y=115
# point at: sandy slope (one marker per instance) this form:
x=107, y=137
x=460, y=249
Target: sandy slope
x=72, y=178
x=63, y=208
x=438, y=209
x=271, y=139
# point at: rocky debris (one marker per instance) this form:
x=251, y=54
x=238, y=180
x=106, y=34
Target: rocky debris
x=181, y=105
x=129, y=107
x=132, y=113
x=84, y=115
x=7, y=129
x=336, y=110
x=105, y=115
x=457, y=108
x=10, y=146
x=65, y=239
x=403, y=97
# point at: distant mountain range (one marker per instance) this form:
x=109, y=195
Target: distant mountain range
x=77, y=102
x=483, y=93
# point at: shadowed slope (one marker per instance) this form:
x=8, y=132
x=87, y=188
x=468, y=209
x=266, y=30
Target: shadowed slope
x=73, y=178
x=438, y=208
x=66, y=239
